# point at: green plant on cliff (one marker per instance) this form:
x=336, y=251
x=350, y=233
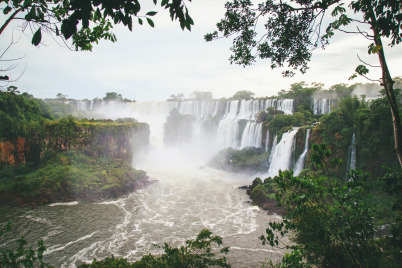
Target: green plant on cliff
x=333, y=222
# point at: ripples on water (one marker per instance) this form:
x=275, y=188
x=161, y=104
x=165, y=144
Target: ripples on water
x=185, y=200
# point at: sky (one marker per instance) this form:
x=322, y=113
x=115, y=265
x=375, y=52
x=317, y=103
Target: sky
x=150, y=64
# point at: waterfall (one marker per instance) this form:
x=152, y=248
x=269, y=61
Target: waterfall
x=281, y=157
x=267, y=141
x=285, y=105
x=323, y=106
x=274, y=144
x=252, y=135
x=300, y=162
x=352, y=154
x=217, y=124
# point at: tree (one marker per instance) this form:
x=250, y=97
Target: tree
x=84, y=21
x=243, y=95
x=177, y=97
x=201, y=95
x=61, y=96
x=112, y=96
x=295, y=28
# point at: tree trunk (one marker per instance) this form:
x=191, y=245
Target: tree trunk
x=388, y=84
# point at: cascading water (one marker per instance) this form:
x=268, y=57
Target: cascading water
x=282, y=155
x=252, y=135
x=267, y=141
x=323, y=106
x=352, y=154
x=300, y=162
x=274, y=144
x=225, y=123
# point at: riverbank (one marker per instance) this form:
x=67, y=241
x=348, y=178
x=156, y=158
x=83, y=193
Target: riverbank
x=71, y=177
x=262, y=194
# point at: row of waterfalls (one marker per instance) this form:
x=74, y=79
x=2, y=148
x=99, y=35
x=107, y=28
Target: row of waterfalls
x=211, y=125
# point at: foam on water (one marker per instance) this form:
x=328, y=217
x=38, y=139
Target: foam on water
x=64, y=204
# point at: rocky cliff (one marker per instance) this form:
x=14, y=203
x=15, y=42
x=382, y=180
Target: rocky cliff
x=93, y=138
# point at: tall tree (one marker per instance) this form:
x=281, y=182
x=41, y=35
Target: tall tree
x=84, y=21
x=294, y=28
x=243, y=95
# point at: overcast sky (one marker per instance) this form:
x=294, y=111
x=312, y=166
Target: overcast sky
x=150, y=64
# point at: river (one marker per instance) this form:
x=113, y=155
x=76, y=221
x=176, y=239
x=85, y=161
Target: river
x=186, y=198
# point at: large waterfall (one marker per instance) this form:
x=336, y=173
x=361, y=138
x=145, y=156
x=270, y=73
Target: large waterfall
x=282, y=155
x=212, y=125
x=218, y=123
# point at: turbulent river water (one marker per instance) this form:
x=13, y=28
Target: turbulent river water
x=186, y=198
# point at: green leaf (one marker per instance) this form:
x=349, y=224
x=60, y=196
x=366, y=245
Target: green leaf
x=150, y=22
x=37, y=37
x=7, y=10
x=27, y=3
x=352, y=77
x=140, y=21
x=164, y=3
x=362, y=70
x=151, y=13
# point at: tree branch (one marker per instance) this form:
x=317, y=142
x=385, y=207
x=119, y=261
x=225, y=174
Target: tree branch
x=374, y=66
x=9, y=20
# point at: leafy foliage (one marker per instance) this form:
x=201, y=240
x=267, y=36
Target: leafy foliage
x=195, y=253
x=372, y=124
x=86, y=22
x=21, y=115
x=333, y=222
x=294, y=29
x=112, y=96
x=243, y=95
x=21, y=256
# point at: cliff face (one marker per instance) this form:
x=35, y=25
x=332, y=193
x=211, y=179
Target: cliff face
x=13, y=153
x=94, y=139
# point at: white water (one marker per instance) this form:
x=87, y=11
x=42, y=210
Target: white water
x=235, y=120
x=282, y=155
x=267, y=141
x=186, y=198
x=323, y=106
x=353, y=153
x=300, y=162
